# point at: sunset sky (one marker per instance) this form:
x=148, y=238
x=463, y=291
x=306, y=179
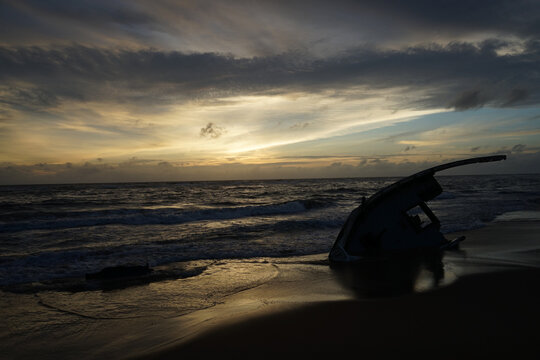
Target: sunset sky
x=162, y=90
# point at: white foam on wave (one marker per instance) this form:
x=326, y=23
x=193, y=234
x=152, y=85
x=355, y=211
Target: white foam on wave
x=165, y=215
x=519, y=216
x=445, y=195
x=167, y=223
x=462, y=226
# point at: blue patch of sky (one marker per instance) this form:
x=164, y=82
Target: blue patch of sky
x=498, y=120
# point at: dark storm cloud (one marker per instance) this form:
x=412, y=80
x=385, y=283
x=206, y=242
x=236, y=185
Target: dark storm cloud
x=24, y=19
x=27, y=20
x=459, y=75
x=468, y=100
x=96, y=12
x=29, y=98
x=517, y=17
x=516, y=96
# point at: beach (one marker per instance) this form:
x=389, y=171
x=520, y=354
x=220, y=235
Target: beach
x=266, y=179
x=488, y=308
x=480, y=301
x=480, y=316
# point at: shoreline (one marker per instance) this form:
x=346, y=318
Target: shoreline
x=462, y=320
x=488, y=307
x=487, y=293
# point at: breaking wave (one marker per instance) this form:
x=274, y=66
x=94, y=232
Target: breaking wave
x=142, y=216
x=76, y=229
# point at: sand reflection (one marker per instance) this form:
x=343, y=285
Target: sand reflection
x=394, y=275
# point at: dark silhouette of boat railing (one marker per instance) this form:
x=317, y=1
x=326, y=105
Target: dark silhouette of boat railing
x=389, y=221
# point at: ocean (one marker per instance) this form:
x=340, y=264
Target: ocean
x=50, y=232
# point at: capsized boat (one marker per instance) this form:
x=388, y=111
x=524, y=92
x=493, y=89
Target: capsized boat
x=397, y=218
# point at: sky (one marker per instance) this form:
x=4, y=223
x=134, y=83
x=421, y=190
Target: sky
x=162, y=90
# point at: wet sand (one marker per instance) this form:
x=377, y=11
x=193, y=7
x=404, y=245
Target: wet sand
x=491, y=310
x=481, y=302
x=488, y=315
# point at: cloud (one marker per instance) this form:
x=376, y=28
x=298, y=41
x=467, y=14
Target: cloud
x=518, y=148
x=408, y=148
x=516, y=96
x=468, y=100
x=117, y=78
x=147, y=78
x=259, y=28
x=453, y=15
x=29, y=98
x=212, y=131
x=158, y=170
x=299, y=126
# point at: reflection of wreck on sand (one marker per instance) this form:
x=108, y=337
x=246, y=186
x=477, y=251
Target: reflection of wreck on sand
x=397, y=218
x=394, y=275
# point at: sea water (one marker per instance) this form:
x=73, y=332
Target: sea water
x=58, y=231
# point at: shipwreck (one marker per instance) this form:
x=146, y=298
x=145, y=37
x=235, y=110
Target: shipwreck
x=397, y=218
